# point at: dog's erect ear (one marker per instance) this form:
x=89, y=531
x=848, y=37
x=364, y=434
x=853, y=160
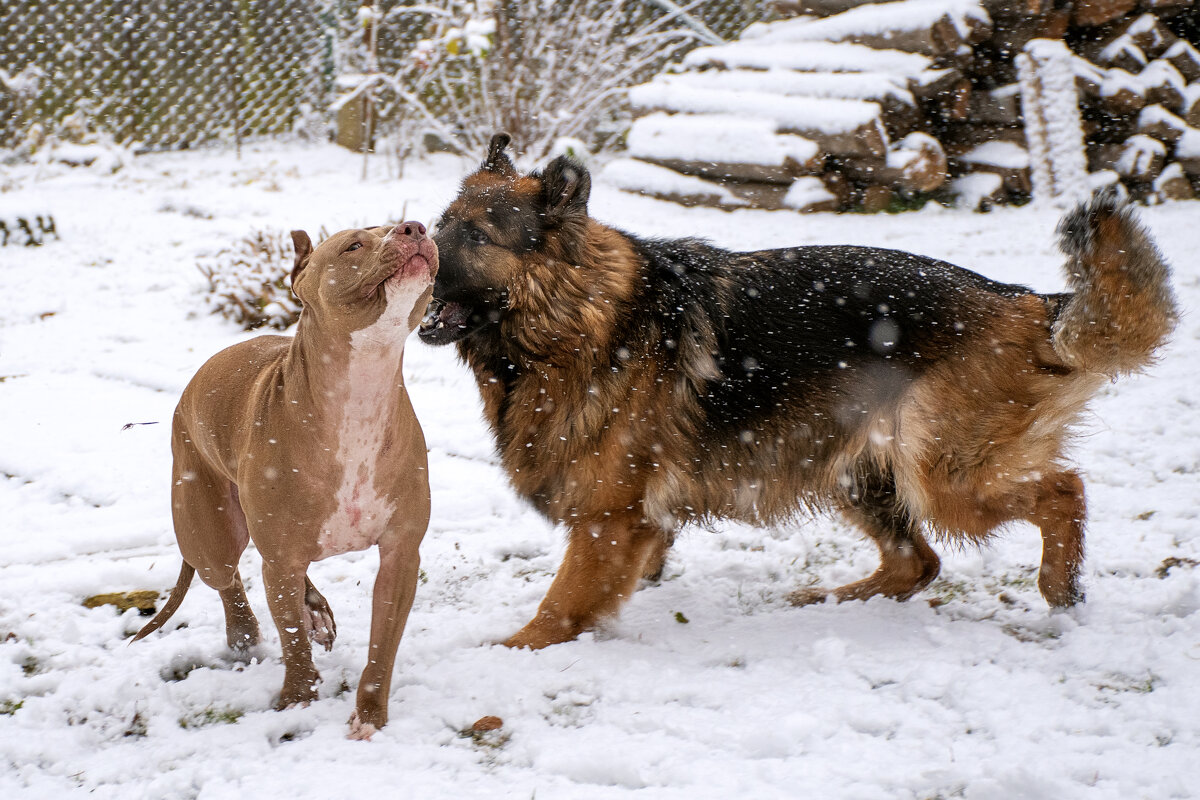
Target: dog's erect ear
x=497, y=160
x=566, y=186
x=304, y=249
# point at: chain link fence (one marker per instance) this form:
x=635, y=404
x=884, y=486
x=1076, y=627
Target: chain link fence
x=159, y=74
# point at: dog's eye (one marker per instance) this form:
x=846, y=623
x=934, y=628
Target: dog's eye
x=353, y=247
x=478, y=237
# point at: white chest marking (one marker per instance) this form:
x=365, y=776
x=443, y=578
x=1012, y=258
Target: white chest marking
x=374, y=383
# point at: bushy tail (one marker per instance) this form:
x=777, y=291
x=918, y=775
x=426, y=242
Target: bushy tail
x=186, y=573
x=1122, y=309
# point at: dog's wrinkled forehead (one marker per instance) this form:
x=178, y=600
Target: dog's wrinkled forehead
x=329, y=249
x=508, y=208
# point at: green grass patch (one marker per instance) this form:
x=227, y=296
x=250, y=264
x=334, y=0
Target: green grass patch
x=211, y=716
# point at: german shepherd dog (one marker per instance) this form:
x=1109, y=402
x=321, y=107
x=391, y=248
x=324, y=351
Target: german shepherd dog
x=634, y=385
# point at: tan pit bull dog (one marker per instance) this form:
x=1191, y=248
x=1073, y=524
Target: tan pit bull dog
x=308, y=446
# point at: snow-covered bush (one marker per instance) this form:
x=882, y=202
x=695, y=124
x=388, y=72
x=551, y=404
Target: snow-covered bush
x=79, y=140
x=28, y=227
x=541, y=71
x=249, y=282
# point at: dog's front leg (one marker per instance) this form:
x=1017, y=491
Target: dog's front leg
x=285, y=584
x=395, y=588
x=605, y=559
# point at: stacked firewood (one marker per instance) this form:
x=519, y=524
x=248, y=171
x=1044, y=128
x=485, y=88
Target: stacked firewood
x=858, y=105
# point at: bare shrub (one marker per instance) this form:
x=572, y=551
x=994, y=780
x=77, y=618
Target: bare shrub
x=542, y=71
x=249, y=282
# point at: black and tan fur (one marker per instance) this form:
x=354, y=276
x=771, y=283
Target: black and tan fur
x=635, y=385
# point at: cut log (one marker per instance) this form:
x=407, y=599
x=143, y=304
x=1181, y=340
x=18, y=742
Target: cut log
x=917, y=163
x=1121, y=53
x=1141, y=159
x=1002, y=106
x=839, y=186
x=723, y=147
x=811, y=194
x=963, y=137
x=726, y=171
x=1162, y=84
x=874, y=199
x=928, y=84
x=1173, y=184
x=1105, y=129
x=776, y=51
x=1008, y=9
x=978, y=191
x=1104, y=156
x=1009, y=161
x=639, y=177
x=1150, y=35
x=1015, y=29
x=768, y=196
x=1134, y=43
x=878, y=87
x=1190, y=108
x=1187, y=152
x=912, y=26
x=818, y=8
x=839, y=127
x=948, y=97
x=1160, y=123
x=1186, y=59
x=1090, y=13
x=1117, y=91
x=1122, y=93
x=1167, y=8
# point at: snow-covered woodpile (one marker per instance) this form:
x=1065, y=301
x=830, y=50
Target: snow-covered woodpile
x=861, y=105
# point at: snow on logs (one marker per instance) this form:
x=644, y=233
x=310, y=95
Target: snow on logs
x=861, y=105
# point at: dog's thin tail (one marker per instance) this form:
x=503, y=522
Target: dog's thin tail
x=186, y=573
x=1122, y=309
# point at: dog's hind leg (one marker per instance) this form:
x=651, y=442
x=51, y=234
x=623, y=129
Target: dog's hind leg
x=284, y=578
x=241, y=626
x=211, y=529
x=1059, y=511
x=907, y=564
x=600, y=571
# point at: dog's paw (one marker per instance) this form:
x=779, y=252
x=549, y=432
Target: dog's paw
x=318, y=620
x=298, y=689
x=286, y=703
x=360, y=731
x=809, y=596
x=321, y=630
x=318, y=617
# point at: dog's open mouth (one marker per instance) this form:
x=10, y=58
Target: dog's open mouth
x=444, y=322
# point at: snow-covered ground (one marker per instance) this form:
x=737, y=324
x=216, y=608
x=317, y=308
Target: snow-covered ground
x=709, y=685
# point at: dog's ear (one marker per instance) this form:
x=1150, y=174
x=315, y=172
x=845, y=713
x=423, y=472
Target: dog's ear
x=304, y=249
x=497, y=160
x=566, y=186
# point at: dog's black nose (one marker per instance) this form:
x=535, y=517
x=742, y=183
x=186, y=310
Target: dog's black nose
x=411, y=229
